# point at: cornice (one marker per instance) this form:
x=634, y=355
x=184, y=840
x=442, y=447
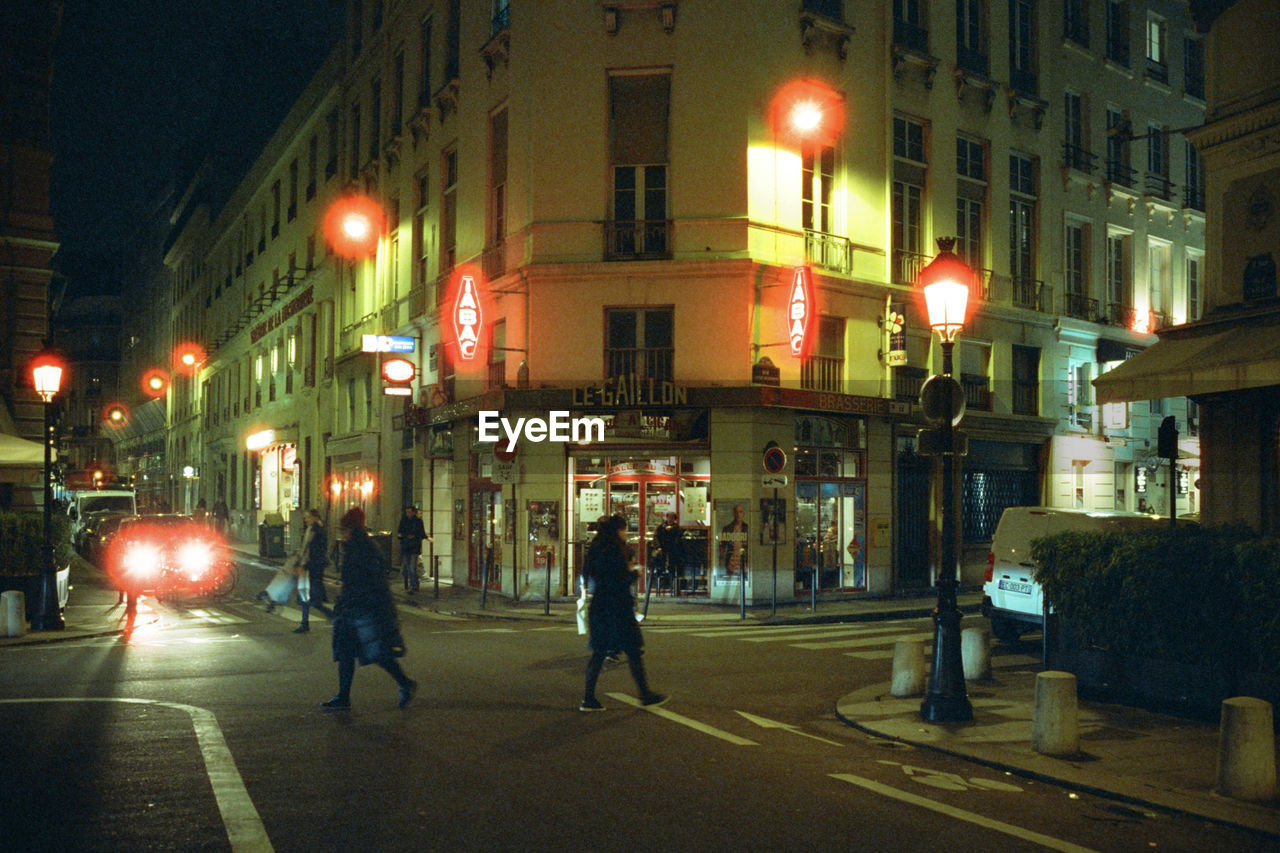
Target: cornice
x=1236, y=126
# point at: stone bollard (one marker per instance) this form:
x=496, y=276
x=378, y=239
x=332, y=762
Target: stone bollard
x=908, y=668
x=1055, y=727
x=13, y=612
x=1246, y=750
x=975, y=651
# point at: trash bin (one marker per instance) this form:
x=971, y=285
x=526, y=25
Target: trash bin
x=271, y=536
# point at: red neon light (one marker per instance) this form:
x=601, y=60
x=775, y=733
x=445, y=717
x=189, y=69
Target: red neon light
x=467, y=318
x=799, y=312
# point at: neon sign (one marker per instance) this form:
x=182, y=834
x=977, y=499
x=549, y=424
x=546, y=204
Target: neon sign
x=799, y=312
x=467, y=318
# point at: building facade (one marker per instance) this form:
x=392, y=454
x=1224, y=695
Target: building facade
x=652, y=239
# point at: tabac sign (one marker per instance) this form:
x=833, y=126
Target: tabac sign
x=799, y=312
x=467, y=317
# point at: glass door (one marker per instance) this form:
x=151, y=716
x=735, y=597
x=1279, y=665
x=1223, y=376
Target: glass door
x=485, y=551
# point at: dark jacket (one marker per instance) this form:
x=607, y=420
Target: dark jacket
x=316, y=556
x=612, y=617
x=411, y=534
x=365, y=623
x=670, y=538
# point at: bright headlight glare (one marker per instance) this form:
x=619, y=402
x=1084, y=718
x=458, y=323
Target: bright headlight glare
x=194, y=558
x=142, y=559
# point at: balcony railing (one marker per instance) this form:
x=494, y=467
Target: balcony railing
x=1157, y=71
x=1159, y=186
x=1121, y=173
x=907, y=266
x=1120, y=314
x=1193, y=83
x=828, y=251
x=1078, y=158
x=971, y=60
x=977, y=392
x=1029, y=293
x=822, y=373
x=494, y=261
x=1193, y=197
x=643, y=362
x=911, y=36
x=907, y=382
x=1081, y=418
x=1026, y=397
x=496, y=376
x=1079, y=306
x=639, y=239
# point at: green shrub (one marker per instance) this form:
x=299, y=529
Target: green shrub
x=22, y=534
x=1205, y=596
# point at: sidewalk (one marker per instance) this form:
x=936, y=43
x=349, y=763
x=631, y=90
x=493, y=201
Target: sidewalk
x=1146, y=759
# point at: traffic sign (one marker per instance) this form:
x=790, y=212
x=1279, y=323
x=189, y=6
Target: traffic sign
x=932, y=442
x=503, y=472
x=502, y=454
x=775, y=459
x=940, y=398
x=773, y=481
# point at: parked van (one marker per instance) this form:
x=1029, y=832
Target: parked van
x=98, y=500
x=1012, y=599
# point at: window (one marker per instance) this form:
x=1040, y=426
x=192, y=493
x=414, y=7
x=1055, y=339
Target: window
x=907, y=199
x=1076, y=134
x=1194, y=307
x=640, y=342
x=638, y=153
x=453, y=41
x=1022, y=231
x=293, y=189
x=424, y=63
x=1194, y=178
x=975, y=374
x=1120, y=279
x=501, y=16
x=823, y=368
x=1158, y=283
x=418, y=240
x=1076, y=271
x=1118, y=32
x=377, y=16
x=833, y=9
x=397, y=95
x=357, y=27
x=1157, y=62
x=1157, y=155
x=1077, y=482
x=331, y=165
x=497, y=178
x=1193, y=67
x=355, y=141
x=971, y=191
x=275, y=209
x=449, y=212
x=817, y=178
x=497, y=354
x=1026, y=380
x=971, y=53
x=909, y=25
x=1075, y=21
x=1118, y=168
x=1022, y=46
x=375, y=119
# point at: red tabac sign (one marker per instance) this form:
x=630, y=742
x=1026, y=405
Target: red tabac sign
x=467, y=318
x=800, y=312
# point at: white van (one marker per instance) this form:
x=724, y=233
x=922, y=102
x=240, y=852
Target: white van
x=98, y=500
x=1012, y=599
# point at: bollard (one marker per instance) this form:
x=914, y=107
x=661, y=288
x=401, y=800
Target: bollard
x=1055, y=727
x=1246, y=750
x=908, y=668
x=975, y=650
x=13, y=610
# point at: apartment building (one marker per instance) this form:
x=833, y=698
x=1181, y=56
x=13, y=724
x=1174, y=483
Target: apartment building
x=622, y=190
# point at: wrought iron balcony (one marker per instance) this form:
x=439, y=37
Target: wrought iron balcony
x=822, y=373
x=638, y=239
x=907, y=382
x=1120, y=314
x=643, y=362
x=907, y=266
x=1118, y=46
x=1157, y=71
x=1122, y=174
x=1029, y=293
x=977, y=392
x=1159, y=186
x=1026, y=397
x=1079, y=306
x=828, y=251
x=1193, y=197
x=1078, y=158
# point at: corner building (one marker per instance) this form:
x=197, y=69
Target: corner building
x=623, y=186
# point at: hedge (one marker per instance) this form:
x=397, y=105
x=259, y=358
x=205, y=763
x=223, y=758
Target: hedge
x=1201, y=596
x=22, y=534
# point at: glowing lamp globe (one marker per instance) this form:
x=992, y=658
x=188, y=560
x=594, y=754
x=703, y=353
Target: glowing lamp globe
x=353, y=226
x=807, y=112
x=945, y=283
x=46, y=374
x=155, y=382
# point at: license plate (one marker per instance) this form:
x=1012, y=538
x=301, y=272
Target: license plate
x=1015, y=586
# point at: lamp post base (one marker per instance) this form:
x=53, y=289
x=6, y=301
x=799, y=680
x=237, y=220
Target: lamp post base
x=946, y=701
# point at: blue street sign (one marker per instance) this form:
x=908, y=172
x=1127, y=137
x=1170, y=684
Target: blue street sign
x=387, y=343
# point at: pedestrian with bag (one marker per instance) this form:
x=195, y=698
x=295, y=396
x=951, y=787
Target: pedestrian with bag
x=312, y=560
x=411, y=534
x=365, y=626
x=611, y=617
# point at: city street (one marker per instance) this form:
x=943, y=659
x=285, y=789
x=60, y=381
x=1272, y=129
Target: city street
x=203, y=731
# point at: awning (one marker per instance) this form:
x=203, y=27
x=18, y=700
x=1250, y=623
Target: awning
x=1210, y=362
x=15, y=450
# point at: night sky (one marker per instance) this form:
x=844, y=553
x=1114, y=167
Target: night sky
x=143, y=89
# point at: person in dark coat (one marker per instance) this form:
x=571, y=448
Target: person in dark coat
x=411, y=534
x=365, y=625
x=670, y=539
x=313, y=556
x=612, y=618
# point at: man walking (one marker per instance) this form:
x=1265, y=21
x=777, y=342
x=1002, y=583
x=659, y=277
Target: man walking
x=411, y=533
x=313, y=554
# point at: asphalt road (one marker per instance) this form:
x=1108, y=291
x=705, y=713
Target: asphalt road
x=202, y=731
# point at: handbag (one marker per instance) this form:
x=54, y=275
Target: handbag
x=582, y=611
x=304, y=586
x=282, y=586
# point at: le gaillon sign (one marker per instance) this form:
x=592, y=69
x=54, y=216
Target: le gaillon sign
x=631, y=390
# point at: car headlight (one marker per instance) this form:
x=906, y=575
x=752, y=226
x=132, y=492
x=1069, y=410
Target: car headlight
x=142, y=560
x=194, y=559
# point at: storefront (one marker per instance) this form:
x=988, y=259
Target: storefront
x=831, y=503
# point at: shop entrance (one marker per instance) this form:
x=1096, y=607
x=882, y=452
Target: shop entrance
x=831, y=504
x=484, y=558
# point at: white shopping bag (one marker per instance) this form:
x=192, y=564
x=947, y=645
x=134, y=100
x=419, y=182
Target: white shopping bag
x=582, y=612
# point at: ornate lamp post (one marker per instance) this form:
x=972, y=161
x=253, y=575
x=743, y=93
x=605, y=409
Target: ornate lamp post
x=945, y=283
x=46, y=375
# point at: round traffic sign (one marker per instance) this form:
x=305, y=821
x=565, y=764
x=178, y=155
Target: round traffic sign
x=501, y=453
x=775, y=459
x=942, y=398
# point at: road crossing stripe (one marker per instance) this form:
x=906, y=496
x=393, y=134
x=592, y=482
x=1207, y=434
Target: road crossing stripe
x=862, y=641
x=705, y=631
x=787, y=638
x=960, y=814
x=684, y=721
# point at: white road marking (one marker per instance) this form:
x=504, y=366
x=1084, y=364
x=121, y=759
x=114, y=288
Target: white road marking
x=862, y=632
x=240, y=817
x=961, y=814
x=766, y=723
x=862, y=641
x=684, y=721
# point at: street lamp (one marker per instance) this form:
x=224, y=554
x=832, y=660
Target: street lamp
x=945, y=283
x=46, y=375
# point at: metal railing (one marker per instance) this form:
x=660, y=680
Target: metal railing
x=828, y=251
x=493, y=260
x=907, y=382
x=1159, y=186
x=1026, y=397
x=977, y=392
x=637, y=239
x=1121, y=173
x=907, y=266
x=1120, y=314
x=822, y=373
x=1193, y=197
x=642, y=362
x=1078, y=158
x=1118, y=45
x=911, y=36
x=1079, y=306
x=1028, y=293
x=1157, y=71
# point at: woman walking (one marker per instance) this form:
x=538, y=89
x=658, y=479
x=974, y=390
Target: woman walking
x=365, y=625
x=612, y=617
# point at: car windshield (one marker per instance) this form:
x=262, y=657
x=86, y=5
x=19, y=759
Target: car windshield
x=100, y=503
